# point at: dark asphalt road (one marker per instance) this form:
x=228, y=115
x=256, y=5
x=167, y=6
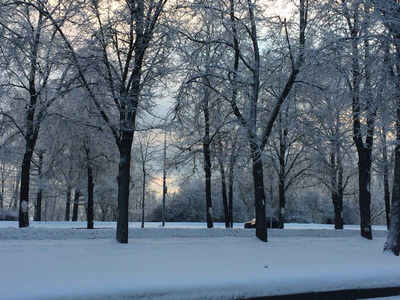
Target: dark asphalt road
x=338, y=295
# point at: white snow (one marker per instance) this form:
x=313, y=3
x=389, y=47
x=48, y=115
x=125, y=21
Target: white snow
x=24, y=206
x=54, y=260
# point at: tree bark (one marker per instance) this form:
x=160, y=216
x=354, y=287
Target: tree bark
x=230, y=184
x=90, y=188
x=38, y=212
x=390, y=13
x=338, y=209
x=387, y=199
x=364, y=150
x=259, y=194
x=364, y=183
x=337, y=187
x=393, y=240
x=207, y=171
x=123, y=186
x=386, y=177
x=143, y=191
x=68, y=205
x=283, y=133
x=223, y=191
x=32, y=127
x=25, y=180
x=207, y=155
x=3, y=179
x=76, y=205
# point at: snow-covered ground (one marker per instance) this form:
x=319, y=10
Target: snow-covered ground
x=62, y=260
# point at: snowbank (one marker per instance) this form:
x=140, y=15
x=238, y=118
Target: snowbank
x=44, y=262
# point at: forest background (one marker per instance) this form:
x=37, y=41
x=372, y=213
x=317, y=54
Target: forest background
x=283, y=108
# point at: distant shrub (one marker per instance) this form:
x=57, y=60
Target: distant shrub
x=8, y=215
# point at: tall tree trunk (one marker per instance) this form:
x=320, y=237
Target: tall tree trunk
x=32, y=127
x=340, y=223
x=364, y=183
x=223, y=190
x=38, y=208
x=90, y=188
x=390, y=11
x=338, y=209
x=223, y=183
x=232, y=161
x=337, y=187
x=364, y=150
x=259, y=194
x=3, y=179
x=123, y=186
x=207, y=155
x=207, y=171
x=393, y=240
x=143, y=191
x=337, y=200
x=234, y=88
x=164, y=191
x=283, y=133
x=387, y=198
x=386, y=177
x=38, y=212
x=24, y=192
x=256, y=151
x=76, y=205
x=14, y=201
x=68, y=204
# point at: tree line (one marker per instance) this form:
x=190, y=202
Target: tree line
x=302, y=93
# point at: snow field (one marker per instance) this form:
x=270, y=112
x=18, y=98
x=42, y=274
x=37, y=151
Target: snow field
x=187, y=263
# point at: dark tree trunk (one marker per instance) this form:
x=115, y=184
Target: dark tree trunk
x=143, y=192
x=364, y=183
x=90, y=188
x=337, y=188
x=339, y=222
x=24, y=193
x=2, y=185
x=32, y=129
x=364, y=149
x=38, y=212
x=224, y=194
x=223, y=184
x=282, y=173
x=282, y=198
x=123, y=186
x=393, y=240
x=230, y=185
x=68, y=205
x=76, y=205
x=386, y=179
x=259, y=194
x=207, y=159
x=337, y=200
x=164, y=178
x=30, y=142
x=207, y=171
x=387, y=199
